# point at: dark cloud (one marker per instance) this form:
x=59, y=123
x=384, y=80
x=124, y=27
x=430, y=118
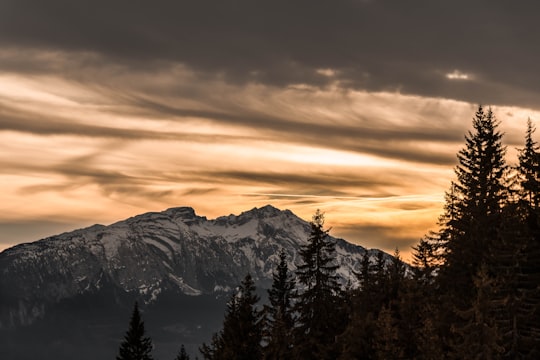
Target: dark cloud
x=375, y=45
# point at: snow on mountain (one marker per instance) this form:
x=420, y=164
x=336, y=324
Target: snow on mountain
x=173, y=250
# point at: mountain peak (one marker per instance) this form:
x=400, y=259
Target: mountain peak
x=170, y=261
x=266, y=210
x=184, y=212
x=160, y=252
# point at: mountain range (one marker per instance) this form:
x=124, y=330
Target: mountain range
x=73, y=291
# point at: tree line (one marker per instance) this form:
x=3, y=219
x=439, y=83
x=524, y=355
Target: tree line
x=473, y=292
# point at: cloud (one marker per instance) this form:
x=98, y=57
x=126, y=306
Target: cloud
x=375, y=45
x=234, y=114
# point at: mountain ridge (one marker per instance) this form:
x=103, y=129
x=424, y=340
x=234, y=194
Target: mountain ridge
x=174, y=250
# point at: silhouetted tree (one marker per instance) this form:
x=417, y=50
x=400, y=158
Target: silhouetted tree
x=471, y=224
x=363, y=306
x=478, y=336
x=519, y=258
x=529, y=172
x=387, y=345
x=279, y=314
x=420, y=305
x=426, y=259
x=182, y=354
x=320, y=306
x=474, y=206
x=136, y=346
x=241, y=336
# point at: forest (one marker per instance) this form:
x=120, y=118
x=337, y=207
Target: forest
x=472, y=292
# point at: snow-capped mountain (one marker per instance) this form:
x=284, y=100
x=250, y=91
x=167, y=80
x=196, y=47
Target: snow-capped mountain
x=155, y=253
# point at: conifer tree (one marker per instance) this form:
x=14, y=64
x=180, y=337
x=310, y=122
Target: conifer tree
x=527, y=310
x=471, y=227
x=279, y=318
x=182, y=354
x=422, y=301
x=474, y=206
x=320, y=306
x=515, y=257
x=478, y=336
x=136, y=346
x=241, y=336
x=428, y=342
x=529, y=171
x=364, y=304
x=382, y=284
x=396, y=276
x=426, y=259
x=387, y=345
x=215, y=350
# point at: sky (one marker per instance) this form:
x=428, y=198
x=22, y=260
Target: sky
x=109, y=109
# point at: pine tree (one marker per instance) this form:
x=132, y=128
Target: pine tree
x=387, y=336
x=515, y=260
x=526, y=300
x=215, y=350
x=241, y=336
x=421, y=301
x=182, y=354
x=529, y=171
x=470, y=229
x=320, y=306
x=426, y=259
x=364, y=303
x=136, y=346
x=428, y=341
x=279, y=319
x=474, y=206
x=478, y=336
x=396, y=276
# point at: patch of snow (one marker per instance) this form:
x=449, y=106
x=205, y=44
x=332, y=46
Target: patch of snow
x=220, y=288
x=186, y=289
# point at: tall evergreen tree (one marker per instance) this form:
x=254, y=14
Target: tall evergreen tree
x=241, y=336
x=527, y=311
x=320, y=307
x=383, y=312
x=279, y=314
x=422, y=299
x=477, y=335
x=426, y=259
x=514, y=273
x=136, y=346
x=182, y=354
x=387, y=344
x=364, y=304
x=471, y=226
x=529, y=171
x=474, y=205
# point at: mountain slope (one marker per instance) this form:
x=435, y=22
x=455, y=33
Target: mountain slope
x=173, y=250
x=69, y=296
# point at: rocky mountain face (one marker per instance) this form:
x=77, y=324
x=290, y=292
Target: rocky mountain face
x=152, y=257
